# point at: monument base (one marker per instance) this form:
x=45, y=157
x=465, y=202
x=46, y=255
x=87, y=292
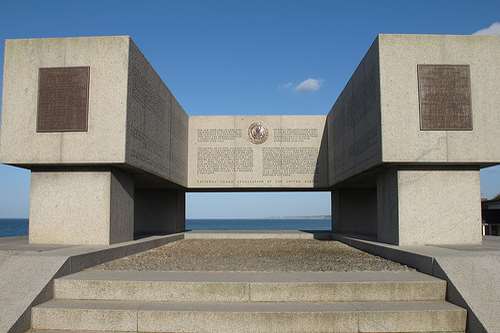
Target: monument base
x=413, y=207
x=99, y=208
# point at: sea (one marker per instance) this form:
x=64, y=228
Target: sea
x=19, y=227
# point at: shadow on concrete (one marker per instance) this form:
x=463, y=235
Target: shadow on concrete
x=453, y=296
x=321, y=171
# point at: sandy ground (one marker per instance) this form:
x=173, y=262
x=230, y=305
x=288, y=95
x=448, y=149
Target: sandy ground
x=253, y=255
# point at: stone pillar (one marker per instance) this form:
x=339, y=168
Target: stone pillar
x=355, y=212
x=418, y=207
x=159, y=211
x=81, y=207
x=413, y=207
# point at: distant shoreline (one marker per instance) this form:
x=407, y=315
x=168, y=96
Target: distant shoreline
x=19, y=226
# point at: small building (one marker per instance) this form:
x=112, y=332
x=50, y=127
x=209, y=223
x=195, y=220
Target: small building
x=490, y=211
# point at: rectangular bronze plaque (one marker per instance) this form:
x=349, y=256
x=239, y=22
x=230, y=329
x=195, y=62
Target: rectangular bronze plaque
x=63, y=99
x=444, y=95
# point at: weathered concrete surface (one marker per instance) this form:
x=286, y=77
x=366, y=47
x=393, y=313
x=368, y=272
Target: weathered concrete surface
x=222, y=155
x=26, y=272
x=88, y=207
x=250, y=286
x=472, y=273
x=250, y=317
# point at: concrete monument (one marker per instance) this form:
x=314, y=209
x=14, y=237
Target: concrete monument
x=101, y=134
x=408, y=135
x=112, y=152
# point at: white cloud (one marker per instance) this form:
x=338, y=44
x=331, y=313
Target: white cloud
x=493, y=29
x=309, y=85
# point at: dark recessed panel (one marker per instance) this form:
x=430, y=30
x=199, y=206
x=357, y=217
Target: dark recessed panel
x=63, y=99
x=445, y=97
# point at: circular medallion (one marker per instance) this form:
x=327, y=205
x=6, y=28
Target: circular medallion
x=257, y=133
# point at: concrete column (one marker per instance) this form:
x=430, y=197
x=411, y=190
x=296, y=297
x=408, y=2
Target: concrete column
x=159, y=211
x=81, y=207
x=387, y=207
x=418, y=207
x=413, y=207
x=355, y=212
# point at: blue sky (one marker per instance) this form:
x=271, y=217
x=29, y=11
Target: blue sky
x=243, y=57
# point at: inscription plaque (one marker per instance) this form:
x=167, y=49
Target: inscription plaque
x=445, y=97
x=63, y=99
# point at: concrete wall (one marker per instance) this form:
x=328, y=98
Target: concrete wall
x=156, y=123
x=87, y=207
x=354, y=128
x=402, y=139
x=221, y=154
x=104, y=142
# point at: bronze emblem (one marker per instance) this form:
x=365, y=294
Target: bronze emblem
x=257, y=133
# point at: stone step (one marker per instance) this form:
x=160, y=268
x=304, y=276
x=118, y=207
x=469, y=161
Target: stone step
x=249, y=317
x=250, y=287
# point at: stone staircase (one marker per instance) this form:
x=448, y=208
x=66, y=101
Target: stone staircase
x=127, y=301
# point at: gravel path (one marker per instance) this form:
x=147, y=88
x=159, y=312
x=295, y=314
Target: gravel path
x=252, y=255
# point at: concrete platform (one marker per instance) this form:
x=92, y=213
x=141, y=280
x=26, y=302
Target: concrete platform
x=257, y=234
x=472, y=273
x=250, y=317
x=250, y=287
